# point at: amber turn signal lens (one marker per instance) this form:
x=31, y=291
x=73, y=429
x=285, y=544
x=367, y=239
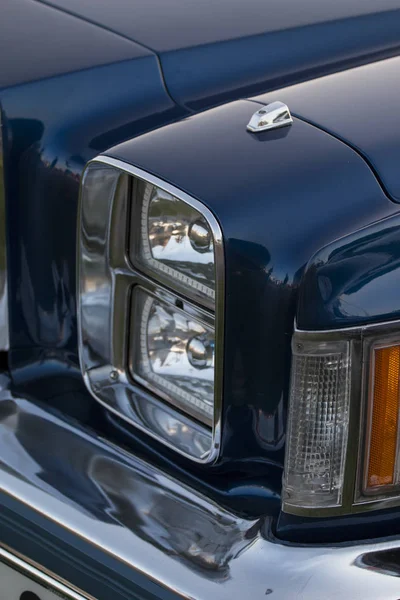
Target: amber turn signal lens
x=383, y=440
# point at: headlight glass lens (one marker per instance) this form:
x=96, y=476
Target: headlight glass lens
x=173, y=354
x=176, y=242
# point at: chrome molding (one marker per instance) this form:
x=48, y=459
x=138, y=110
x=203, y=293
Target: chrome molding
x=381, y=327
x=4, y=332
x=104, y=342
x=272, y=116
x=41, y=576
x=362, y=338
x=162, y=528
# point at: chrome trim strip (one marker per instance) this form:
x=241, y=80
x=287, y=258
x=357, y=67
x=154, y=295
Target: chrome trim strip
x=162, y=528
x=370, y=327
x=109, y=380
x=40, y=575
x=4, y=327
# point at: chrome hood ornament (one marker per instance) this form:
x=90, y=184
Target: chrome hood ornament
x=272, y=116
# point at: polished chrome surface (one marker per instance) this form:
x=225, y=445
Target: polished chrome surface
x=200, y=352
x=200, y=236
x=104, y=310
x=272, y=116
x=163, y=528
x=45, y=583
x=4, y=335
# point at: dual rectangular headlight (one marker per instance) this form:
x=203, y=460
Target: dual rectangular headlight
x=172, y=348
x=343, y=438
x=151, y=305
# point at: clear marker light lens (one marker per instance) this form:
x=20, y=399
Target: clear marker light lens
x=174, y=354
x=318, y=424
x=176, y=241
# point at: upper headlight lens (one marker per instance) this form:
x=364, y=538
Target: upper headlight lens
x=175, y=241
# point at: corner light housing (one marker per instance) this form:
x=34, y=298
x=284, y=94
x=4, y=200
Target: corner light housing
x=151, y=311
x=343, y=437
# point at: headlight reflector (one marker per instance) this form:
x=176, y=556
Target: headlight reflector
x=173, y=354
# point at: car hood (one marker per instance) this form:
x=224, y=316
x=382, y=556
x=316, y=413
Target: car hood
x=211, y=52
x=360, y=107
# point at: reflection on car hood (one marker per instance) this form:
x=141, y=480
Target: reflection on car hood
x=216, y=51
x=358, y=106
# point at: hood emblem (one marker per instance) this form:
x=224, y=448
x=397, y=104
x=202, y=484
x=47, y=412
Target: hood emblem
x=271, y=116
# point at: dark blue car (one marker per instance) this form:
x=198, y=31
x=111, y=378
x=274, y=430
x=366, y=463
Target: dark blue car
x=199, y=299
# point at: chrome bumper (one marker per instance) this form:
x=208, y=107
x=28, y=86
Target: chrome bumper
x=170, y=533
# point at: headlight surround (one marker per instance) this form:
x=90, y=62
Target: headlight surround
x=353, y=456
x=112, y=278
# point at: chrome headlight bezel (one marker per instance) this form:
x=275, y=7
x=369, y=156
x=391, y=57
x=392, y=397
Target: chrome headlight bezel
x=4, y=317
x=106, y=277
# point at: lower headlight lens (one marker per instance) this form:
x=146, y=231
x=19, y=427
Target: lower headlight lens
x=318, y=424
x=173, y=353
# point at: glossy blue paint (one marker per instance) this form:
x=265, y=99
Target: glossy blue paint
x=99, y=505
x=38, y=42
x=119, y=527
x=251, y=490
x=354, y=280
x=360, y=106
x=212, y=52
x=279, y=197
x=52, y=127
